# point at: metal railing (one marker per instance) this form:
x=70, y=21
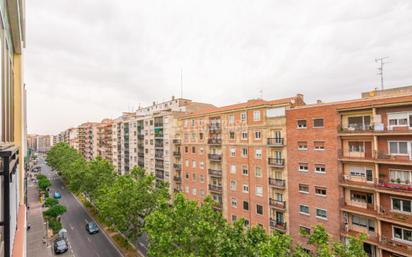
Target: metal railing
x=215, y=157
x=276, y=141
x=214, y=172
x=278, y=162
x=281, y=183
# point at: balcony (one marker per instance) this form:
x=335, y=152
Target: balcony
x=278, y=225
x=213, y=172
x=395, y=246
x=384, y=157
x=215, y=157
x=177, y=179
x=159, y=174
x=159, y=156
x=355, y=129
x=277, y=204
x=140, y=163
x=140, y=136
x=278, y=183
x=391, y=216
x=276, y=162
x=214, y=141
x=177, y=154
x=177, y=166
x=395, y=185
x=355, y=156
x=275, y=142
x=215, y=128
x=158, y=124
x=140, y=154
x=177, y=141
x=215, y=188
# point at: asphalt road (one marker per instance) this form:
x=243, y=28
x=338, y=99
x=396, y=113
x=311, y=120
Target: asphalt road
x=74, y=220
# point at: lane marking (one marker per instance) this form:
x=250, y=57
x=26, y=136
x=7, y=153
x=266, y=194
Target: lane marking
x=71, y=226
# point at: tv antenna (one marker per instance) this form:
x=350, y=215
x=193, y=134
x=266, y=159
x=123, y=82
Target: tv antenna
x=381, y=62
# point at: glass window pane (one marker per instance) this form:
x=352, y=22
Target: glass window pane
x=393, y=147
x=403, y=147
x=396, y=204
x=407, y=206
x=397, y=233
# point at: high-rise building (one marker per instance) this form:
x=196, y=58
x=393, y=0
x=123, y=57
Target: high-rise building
x=104, y=139
x=237, y=154
x=87, y=139
x=13, y=141
x=349, y=167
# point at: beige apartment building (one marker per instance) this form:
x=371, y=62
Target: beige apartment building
x=237, y=154
x=87, y=139
x=104, y=139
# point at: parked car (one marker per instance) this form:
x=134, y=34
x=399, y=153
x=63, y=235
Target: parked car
x=57, y=195
x=36, y=169
x=92, y=228
x=60, y=246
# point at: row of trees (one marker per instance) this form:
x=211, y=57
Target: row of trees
x=137, y=203
x=54, y=208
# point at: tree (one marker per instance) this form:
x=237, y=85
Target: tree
x=184, y=229
x=99, y=173
x=126, y=201
x=43, y=183
x=55, y=211
x=50, y=202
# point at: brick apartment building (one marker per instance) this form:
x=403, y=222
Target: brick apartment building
x=104, y=139
x=237, y=154
x=87, y=138
x=349, y=167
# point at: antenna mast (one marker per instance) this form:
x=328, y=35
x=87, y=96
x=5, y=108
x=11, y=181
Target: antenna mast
x=181, y=82
x=381, y=62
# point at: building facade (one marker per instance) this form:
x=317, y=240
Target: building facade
x=354, y=156
x=237, y=154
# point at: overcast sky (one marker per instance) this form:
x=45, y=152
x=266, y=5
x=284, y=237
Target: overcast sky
x=90, y=59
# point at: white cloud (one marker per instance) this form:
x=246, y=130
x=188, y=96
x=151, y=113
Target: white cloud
x=87, y=60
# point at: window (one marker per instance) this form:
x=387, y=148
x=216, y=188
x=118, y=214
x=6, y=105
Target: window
x=318, y=123
x=301, y=124
x=402, y=234
x=202, y=192
x=304, y=230
x=194, y=191
x=319, y=145
x=321, y=213
x=233, y=185
x=257, y=135
x=231, y=119
x=194, y=164
x=320, y=191
x=303, y=188
x=361, y=172
x=259, y=190
x=400, y=176
x=258, y=172
x=186, y=149
x=202, y=165
x=193, y=149
x=201, y=136
x=244, y=170
x=232, y=151
x=233, y=169
x=187, y=189
x=245, y=205
x=302, y=145
x=304, y=209
x=187, y=163
x=259, y=209
x=303, y=167
x=245, y=188
x=258, y=153
x=243, y=116
x=234, y=202
x=201, y=178
x=320, y=168
x=401, y=205
x=247, y=222
x=187, y=175
x=356, y=147
x=402, y=119
x=398, y=147
x=231, y=135
x=234, y=218
x=202, y=150
x=244, y=152
x=256, y=116
x=244, y=135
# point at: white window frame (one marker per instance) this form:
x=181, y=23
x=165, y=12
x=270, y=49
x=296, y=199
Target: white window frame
x=321, y=217
x=400, y=240
x=258, y=135
x=257, y=191
x=320, y=172
x=231, y=119
x=402, y=199
x=258, y=153
x=303, y=192
x=408, y=147
x=302, y=148
x=245, y=186
x=245, y=135
x=322, y=188
x=233, y=202
x=233, y=185
x=233, y=152
x=256, y=115
x=323, y=122
x=233, y=168
x=301, y=127
x=256, y=174
x=243, y=116
x=303, y=170
x=304, y=213
x=398, y=116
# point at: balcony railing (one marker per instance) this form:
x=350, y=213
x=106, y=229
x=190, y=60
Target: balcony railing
x=215, y=188
x=9, y=155
x=177, y=153
x=215, y=128
x=277, y=204
x=177, y=179
x=215, y=157
x=274, y=224
x=279, y=183
x=177, y=141
x=213, y=172
x=356, y=128
x=214, y=141
x=277, y=162
x=159, y=156
x=276, y=141
x=177, y=166
x=397, y=185
x=158, y=124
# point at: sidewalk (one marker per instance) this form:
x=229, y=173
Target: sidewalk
x=35, y=244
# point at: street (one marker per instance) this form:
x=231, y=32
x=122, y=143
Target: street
x=74, y=220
